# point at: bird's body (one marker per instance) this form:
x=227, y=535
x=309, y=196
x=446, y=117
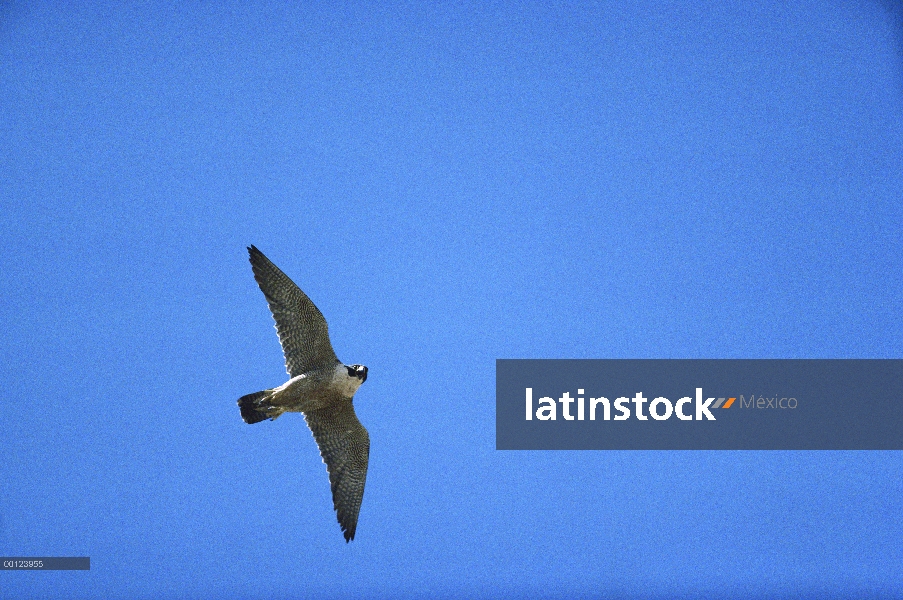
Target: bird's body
x=320, y=386
x=309, y=391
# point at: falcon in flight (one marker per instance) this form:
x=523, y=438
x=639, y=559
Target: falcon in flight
x=320, y=386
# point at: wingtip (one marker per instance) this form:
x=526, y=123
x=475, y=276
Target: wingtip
x=348, y=532
x=255, y=256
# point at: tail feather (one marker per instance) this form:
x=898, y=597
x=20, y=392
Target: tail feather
x=252, y=409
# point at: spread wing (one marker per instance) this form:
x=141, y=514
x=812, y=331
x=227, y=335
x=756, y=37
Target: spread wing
x=345, y=448
x=301, y=327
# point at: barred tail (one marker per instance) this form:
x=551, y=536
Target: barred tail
x=253, y=407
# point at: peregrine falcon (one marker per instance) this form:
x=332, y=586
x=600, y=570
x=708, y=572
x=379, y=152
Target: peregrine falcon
x=320, y=386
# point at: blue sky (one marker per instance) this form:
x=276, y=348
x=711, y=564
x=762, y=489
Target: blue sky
x=450, y=184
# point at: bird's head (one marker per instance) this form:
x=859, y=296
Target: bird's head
x=359, y=371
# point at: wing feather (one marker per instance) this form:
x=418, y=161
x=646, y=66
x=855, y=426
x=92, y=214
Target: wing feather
x=302, y=329
x=345, y=447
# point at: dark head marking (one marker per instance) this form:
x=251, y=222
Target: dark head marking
x=359, y=371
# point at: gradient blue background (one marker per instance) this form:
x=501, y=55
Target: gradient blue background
x=451, y=184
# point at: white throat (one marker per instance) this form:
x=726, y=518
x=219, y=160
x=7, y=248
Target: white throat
x=343, y=382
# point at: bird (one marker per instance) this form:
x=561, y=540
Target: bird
x=320, y=386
